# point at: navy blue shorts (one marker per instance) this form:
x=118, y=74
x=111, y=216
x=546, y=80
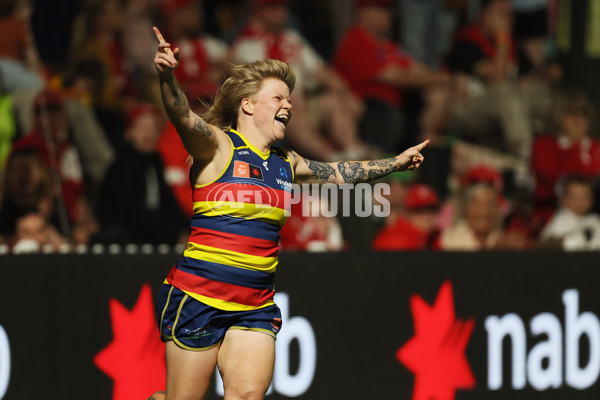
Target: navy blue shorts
x=196, y=326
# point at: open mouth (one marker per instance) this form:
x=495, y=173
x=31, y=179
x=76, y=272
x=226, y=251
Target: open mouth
x=282, y=119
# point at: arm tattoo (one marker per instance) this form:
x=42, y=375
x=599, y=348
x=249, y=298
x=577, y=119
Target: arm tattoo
x=178, y=96
x=352, y=171
x=179, y=99
x=320, y=170
x=386, y=163
x=386, y=167
x=362, y=171
x=201, y=127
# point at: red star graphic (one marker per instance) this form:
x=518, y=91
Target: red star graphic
x=255, y=172
x=135, y=359
x=436, y=353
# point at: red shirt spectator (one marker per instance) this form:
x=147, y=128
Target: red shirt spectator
x=472, y=45
x=417, y=230
x=174, y=157
x=361, y=57
x=553, y=159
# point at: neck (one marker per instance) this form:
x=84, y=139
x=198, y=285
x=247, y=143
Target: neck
x=254, y=136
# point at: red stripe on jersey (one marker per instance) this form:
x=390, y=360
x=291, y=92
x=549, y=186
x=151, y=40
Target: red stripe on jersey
x=243, y=193
x=232, y=242
x=219, y=290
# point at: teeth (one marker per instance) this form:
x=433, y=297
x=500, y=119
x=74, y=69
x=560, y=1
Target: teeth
x=283, y=118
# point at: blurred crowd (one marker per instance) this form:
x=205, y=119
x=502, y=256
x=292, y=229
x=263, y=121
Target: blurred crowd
x=87, y=155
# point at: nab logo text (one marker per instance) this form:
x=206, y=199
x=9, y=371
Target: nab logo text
x=4, y=362
x=543, y=366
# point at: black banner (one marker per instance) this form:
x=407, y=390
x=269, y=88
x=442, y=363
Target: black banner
x=356, y=326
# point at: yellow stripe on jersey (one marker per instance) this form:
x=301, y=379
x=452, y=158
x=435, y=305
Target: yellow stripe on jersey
x=260, y=212
x=226, y=305
x=231, y=258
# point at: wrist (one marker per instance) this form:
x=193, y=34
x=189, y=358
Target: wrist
x=166, y=76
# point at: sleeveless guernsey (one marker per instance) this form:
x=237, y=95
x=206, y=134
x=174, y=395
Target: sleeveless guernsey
x=231, y=255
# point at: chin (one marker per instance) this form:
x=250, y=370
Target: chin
x=279, y=135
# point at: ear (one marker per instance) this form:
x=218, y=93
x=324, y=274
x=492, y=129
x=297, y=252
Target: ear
x=247, y=106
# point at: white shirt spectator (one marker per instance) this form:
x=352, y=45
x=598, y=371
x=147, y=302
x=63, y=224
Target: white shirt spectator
x=578, y=232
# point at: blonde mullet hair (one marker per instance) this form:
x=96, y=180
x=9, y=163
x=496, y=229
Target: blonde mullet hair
x=245, y=82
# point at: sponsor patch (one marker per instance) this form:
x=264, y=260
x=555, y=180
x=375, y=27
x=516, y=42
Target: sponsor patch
x=244, y=170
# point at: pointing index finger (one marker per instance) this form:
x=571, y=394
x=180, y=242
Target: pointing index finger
x=422, y=145
x=159, y=35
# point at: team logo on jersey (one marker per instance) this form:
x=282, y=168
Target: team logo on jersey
x=244, y=170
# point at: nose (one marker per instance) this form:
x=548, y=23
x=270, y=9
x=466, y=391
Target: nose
x=287, y=104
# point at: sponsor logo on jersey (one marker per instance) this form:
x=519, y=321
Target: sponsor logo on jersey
x=242, y=169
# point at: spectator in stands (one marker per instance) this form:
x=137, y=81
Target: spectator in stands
x=50, y=137
x=570, y=151
x=8, y=126
x=84, y=81
x=20, y=66
x=427, y=26
x=322, y=100
x=135, y=204
x=97, y=35
x=417, y=229
x=489, y=97
x=32, y=233
x=479, y=226
x=93, y=144
x=26, y=187
x=138, y=40
x=479, y=174
x=202, y=63
x=378, y=72
x=539, y=68
x=573, y=227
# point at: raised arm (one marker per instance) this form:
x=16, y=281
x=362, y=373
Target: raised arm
x=307, y=171
x=199, y=138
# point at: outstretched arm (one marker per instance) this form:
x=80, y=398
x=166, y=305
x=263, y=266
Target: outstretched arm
x=355, y=171
x=199, y=138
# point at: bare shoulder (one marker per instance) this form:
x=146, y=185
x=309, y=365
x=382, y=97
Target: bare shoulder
x=292, y=156
x=207, y=169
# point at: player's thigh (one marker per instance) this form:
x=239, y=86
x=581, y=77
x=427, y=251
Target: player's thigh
x=246, y=361
x=189, y=372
